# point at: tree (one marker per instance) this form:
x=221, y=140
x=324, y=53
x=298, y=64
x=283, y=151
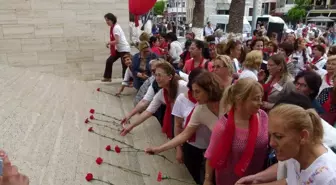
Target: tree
x=237, y=9
x=198, y=14
x=159, y=7
x=299, y=11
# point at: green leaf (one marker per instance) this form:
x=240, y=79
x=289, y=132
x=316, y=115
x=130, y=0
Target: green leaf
x=159, y=7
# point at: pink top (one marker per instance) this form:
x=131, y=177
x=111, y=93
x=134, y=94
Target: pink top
x=156, y=50
x=188, y=65
x=226, y=176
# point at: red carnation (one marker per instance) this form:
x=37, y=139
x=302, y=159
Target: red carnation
x=89, y=177
x=117, y=149
x=87, y=120
x=159, y=177
x=98, y=89
x=90, y=129
x=92, y=117
x=108, y=148
x=92, y=111
x=99, y=160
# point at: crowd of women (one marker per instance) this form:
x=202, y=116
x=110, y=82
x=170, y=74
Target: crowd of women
x=239, y=112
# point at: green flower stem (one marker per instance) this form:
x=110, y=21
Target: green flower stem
x=143, y=151
x=128, y=170
x=112, y=122
x=107, y=182
x=115, y=118
x=105, y=126
x=113, y=139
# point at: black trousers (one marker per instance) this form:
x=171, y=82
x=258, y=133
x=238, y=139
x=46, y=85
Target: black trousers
x=109, y=64
x=194, y=161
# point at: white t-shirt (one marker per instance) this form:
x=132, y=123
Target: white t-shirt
x=159, y=98
x=127, y=77
x=329, y=140
x=122, y=45
x=321, y=172
x=247, y=73
x=182, y=108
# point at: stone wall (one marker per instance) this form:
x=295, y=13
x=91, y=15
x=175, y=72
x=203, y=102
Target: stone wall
x=64, y=37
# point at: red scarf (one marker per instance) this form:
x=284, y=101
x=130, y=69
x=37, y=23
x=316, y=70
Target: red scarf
x=167, y=121
x=193, y=64
x=287, y=60
x=223, y=150
x=267, y=90
x=112, y=47
x=315, y=60
x=327, y=104
x=328, y=79
x=192, y=99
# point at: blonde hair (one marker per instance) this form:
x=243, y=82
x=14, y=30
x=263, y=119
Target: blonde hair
x=226, y=62
x=298, y=119
x=221, y=48
x=240, y=91
x=253, y=60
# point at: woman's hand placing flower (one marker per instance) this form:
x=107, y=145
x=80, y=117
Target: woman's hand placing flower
x=153, y=150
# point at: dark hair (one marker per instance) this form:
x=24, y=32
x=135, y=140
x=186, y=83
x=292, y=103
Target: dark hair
x=295, y=98
x=111, y=17
x=296, y=47
x=313, y=81
x=332, y=50
x=230, y=45
x=152, y=40
x=254, y=42
x=171, y=36
x=274, y=44
x=187, y=44
x=192, y=76
x=255, y=32
x=210, y=38
x=173, y=85
x=320, y=48
x=211, y=84
x=199, y=44
x=287, y=47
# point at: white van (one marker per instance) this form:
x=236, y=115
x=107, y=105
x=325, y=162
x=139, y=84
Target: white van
x=222, y=21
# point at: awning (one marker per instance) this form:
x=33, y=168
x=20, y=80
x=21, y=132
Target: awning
x=320, y=19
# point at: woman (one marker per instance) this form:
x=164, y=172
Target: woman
x=233, y=50
x=223, y=68
x=174, y=48
x=238, y=144
x=327, y=99
x=330, y=69
x=171, y=86
x=308, y=83
x=154, y=45
x=140, y=64
x=287, y=49
x=207, y=91
x=251, y=65
x=318, y=61
x=145, y=94
x=258, y=44
x=191, y=152
x=128, y=78
x=300, y=56
x=272, y=48
x=118, y=47
x=296, y=135
x=279, y=83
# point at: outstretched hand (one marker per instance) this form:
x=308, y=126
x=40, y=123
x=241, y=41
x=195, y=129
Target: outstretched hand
x=152, y=150
x=126, y=129
x=11, y=175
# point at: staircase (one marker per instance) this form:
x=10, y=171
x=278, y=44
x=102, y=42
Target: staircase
x=43, y=131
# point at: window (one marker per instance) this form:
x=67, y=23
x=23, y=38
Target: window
x=289, y=1
x=183, y=4
x=223, y=12
x=250, y=11
x=221, y=26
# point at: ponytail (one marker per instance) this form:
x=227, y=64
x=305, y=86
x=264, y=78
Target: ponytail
x=227, y=99
x=317, y=125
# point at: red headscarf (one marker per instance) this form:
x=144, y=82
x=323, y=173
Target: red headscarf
x=223, y=150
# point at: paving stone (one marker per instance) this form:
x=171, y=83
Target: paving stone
x=49, y=30
x=8, y=17
x=22, y=59
x=18, y=31
x=10, y=45
x=51, y=57
x=41, y=44
x=64, y=44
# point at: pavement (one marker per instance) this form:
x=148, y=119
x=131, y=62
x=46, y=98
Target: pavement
x=43, y=131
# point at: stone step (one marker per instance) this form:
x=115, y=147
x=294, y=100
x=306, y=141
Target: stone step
x=42, y=129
